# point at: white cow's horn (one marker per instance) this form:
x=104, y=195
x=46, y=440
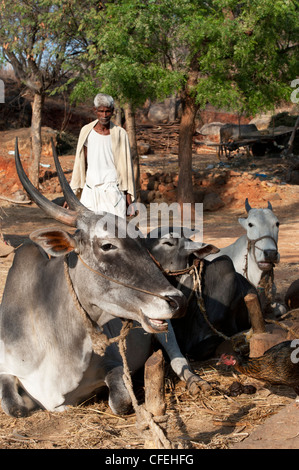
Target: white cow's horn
x=247, y=205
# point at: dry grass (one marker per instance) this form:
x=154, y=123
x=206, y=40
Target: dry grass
x=214, y=421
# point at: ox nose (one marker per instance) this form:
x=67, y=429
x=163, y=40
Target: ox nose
x=271, y=255
x=178, y=305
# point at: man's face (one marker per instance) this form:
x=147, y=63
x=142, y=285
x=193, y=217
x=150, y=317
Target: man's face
x=104, y=114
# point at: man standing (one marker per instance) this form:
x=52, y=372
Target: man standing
x=103, y=174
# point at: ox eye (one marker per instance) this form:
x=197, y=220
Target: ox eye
x=277, y=224
x=250, y=224
x=108, y=247
x=168, y=243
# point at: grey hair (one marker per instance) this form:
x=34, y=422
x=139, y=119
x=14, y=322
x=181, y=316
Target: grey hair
x=103, y=100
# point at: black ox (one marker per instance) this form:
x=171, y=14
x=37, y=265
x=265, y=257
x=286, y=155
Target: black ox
x=222, y=288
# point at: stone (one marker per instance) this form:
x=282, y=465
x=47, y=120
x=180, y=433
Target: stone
x=20, y=195
x=212, y=202
x=198, y=196
x=143, y=194
x=143, y=148
x=151, y=196
x=168, y=178
x=293, y=177
x=212, y=130
x=235, y=173
x=162, y=188
x=158, y=113
x=170, y=195
x=152, y=183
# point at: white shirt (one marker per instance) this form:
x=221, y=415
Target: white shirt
x=100, y=161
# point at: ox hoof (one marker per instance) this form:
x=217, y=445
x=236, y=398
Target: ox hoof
x=196, y=385
x=16, y=411
x=278, y=309
x=121, y=408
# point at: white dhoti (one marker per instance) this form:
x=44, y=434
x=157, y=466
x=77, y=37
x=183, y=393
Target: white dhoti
x=105, y=197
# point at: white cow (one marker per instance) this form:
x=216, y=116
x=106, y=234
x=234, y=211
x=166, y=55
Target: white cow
x=255, y=254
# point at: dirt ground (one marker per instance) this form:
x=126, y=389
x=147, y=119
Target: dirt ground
x=265, y=419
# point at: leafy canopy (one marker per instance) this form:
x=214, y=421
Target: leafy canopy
x=246, y=53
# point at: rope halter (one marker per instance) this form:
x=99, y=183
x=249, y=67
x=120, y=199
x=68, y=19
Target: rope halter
x=251, y=246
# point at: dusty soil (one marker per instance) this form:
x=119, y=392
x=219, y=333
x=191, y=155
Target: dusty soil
x=267, y=418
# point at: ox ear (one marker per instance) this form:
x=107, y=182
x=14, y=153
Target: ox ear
x=55, y=242
x=243, y=222
x=205, y=250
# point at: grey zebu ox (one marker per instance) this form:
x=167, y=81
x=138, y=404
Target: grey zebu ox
x=255, y=254
x=222, y=288
x=47, y=357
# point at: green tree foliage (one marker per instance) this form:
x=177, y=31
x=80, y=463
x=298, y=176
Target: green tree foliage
x=236, y=55
x=39, y=46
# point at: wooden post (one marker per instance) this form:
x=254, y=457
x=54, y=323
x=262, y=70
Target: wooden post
x=255, y=313
x=262, y=339
x=154, y=384
x=155, y=393
x=289, y=147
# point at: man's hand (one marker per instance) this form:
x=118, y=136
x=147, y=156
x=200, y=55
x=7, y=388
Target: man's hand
x=130, y=206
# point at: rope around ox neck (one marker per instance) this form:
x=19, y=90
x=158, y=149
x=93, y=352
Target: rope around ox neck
x=196, y=272
x=200, y=302
x=100, y=341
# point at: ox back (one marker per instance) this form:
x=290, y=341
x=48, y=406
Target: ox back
x=222, y=288
x=223, y=291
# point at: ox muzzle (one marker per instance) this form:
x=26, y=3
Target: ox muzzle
x=178, y=305
x=270, y=256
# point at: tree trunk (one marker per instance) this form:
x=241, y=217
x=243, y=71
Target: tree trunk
x=36, y=140
x=117, y=114
x=131, y=130
x=289, y=147
x=189, y=108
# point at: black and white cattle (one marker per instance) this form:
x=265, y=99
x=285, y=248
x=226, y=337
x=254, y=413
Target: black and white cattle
x=223, y=291
x=46, y=352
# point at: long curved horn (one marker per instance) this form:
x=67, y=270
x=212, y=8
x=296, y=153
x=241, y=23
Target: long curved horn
x=72, y=201
x=65, y=216
x=270, y=206
x=247, y=205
